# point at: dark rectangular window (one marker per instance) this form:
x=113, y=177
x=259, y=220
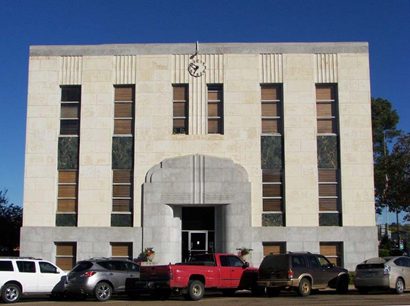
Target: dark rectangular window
x=68, y=156
x=272, y=155
x=180, y=106
x=215, y=109
x=123, y=156
x=328, y=155
x=6, y=265
x=26, y=266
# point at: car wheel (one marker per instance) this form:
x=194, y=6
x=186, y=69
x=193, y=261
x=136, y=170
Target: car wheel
x=102, y=291
x=196, y=290
x=10, y=293
x=342, y=284
x=362, y=290
x=399, y=289
x=305, y=287
x=272, y=291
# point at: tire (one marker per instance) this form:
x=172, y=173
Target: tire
x=362, y=290
x=10, y=293
x=228, y=292
x=258, y=290
x=103, y=291
x=342, y=284
x=305, y=287
x=272, y=292
x=196, y=290
x=399, y=288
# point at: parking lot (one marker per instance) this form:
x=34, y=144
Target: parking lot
x=245, y=299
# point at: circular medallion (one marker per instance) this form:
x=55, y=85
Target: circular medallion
x=196, y=68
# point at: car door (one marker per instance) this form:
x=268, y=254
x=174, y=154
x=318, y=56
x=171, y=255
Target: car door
x=317, y=271
x=403, y=265
x=232, y=270
x=27, y=275
x=133, y=275
x=120, y=271
x=50, y=278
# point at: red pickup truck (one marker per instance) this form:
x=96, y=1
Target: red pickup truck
x=226, y=272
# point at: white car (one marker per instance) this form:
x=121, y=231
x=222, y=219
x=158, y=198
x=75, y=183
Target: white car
x=29, y=276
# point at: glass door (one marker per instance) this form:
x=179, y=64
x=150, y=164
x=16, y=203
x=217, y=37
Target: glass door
x=198, y=241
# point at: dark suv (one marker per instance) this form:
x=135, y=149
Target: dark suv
x=301, y=272
x=101, y=277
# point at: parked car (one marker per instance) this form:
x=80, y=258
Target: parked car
x=102, y=277
x=29, y=276
x=225, y=272
x=301, y=272
x=383, y=273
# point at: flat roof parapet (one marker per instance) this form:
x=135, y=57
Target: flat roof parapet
x=204, y=48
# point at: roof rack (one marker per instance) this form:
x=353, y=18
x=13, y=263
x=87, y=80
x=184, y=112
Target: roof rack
x=20, y=257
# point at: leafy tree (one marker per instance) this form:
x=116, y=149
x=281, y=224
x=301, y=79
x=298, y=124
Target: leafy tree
x=10, y=223
x=397, y=195
x=384, y=124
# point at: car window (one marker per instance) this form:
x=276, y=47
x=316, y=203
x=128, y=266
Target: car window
x=231, y=261
x=323, y=261
x=119, y=265
x=82, y=266
x=46, y=267
x=406, y=261
x=6, y=265
x=314, y=263
x=106, y=264
x=132, y=267
x=26, y=266
x=399, y=262
x=298, y=261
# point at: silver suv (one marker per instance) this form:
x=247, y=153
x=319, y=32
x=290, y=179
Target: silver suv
x=102, y=277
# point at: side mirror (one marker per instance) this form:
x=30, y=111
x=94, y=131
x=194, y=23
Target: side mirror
x=245, y=265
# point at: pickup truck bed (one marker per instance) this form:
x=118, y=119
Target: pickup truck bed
x=226, y=272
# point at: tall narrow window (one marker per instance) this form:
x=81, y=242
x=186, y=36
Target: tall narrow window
x=123, y=156
x=180, y=109
x=333, y=251
x=272, y=155
x=68, y=148
x=66, y=255
x=215, y=109
x=328, y=155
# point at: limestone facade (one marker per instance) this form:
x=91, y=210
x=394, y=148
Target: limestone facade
x=232, y=159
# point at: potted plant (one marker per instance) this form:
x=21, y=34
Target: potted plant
x=149, y=254
x=244, y=253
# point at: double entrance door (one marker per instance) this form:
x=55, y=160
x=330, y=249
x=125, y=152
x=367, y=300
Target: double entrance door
x=198, y=231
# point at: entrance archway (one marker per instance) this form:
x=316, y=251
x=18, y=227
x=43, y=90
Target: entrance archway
x=177, y=186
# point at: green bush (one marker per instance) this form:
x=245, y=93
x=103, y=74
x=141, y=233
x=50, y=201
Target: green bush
x=384, y=252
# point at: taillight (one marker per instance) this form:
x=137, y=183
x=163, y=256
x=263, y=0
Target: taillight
x=386, y=270
x=290, y=273
x=89, y=273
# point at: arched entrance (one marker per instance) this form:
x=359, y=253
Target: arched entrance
x=196, y=203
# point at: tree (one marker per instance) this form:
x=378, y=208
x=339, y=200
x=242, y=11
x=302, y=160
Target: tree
x=384, y=124
x=10, y=222
x=397, y=195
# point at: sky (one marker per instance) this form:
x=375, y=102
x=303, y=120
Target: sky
x=384, y=24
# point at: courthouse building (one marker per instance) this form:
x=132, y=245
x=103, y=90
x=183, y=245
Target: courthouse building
x=209, y=148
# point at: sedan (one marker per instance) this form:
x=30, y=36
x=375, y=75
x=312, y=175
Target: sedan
x=389, y=273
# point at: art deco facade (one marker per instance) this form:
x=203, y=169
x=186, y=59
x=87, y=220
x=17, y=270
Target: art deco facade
x=266, y=146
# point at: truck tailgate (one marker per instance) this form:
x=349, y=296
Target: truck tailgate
x=155, y=273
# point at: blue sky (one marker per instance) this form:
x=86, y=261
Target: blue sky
x=385, y=24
